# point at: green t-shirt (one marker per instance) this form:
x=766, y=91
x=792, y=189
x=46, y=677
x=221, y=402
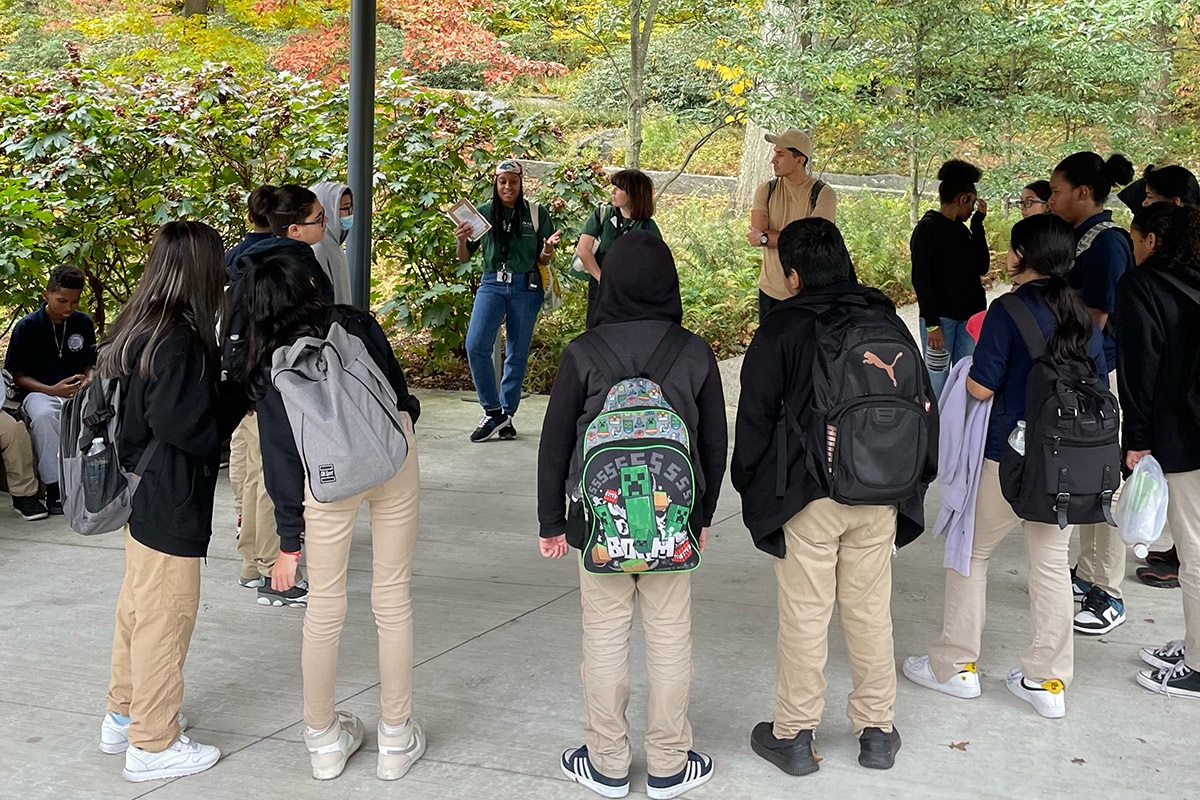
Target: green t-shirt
x=522, y=249
x=612, y=227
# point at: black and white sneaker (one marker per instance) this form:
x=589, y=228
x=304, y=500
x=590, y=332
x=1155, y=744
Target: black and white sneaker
x=1165, y=657
x=578, y=767
x=256, y=582
x=30, y=508
x=492, y=426
x=1099, y=614
x=696, y=772
x=296, y=597
x=53, y=500
x=1177, y=681
x=1079, y=587
x=509, y=431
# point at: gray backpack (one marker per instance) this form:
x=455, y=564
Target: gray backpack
x=343, y=414
x=97, y=492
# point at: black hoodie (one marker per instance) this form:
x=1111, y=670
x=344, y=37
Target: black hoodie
x=1158, y=337
x=947, y=262
x=639, y=302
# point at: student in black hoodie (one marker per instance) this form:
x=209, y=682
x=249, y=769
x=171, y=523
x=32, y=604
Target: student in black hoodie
x=163, y=350
x=1158, y=305
x=948, y=259
x=825, y=550
x=639, y=305
x=282, y=305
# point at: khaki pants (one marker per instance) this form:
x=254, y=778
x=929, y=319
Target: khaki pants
x=842, y=553
x=156, y=612
x=18, y=457
x=258, y=544
x=1102, y=557
x=1051, y=654
x=666, y=602
x=329, y=527
x=1183, y=514
x=237, y=468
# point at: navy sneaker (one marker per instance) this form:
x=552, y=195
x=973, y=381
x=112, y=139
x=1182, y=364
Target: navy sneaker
x=1079, y=587
x=1177, y=681
x=492, y=426
x=696, y=772
x=578, y=767
x=1099, y=614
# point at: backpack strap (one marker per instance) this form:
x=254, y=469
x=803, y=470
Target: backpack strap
x=534, y=215
x=1027, y=325
x=666, y=354
x=818, y=186
x=602, y=357
x=1092, y=235
x=772, y=185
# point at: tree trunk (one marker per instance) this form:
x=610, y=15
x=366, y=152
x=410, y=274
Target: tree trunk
x=756, y=151
x=641, y=24
x=914, y=140
x=1157, y=115
x=193, y=7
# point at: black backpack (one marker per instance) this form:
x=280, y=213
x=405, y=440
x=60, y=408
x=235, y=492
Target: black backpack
x=872, y=406
x=1072, y=461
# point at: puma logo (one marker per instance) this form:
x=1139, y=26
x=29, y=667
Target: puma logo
x=876, y=361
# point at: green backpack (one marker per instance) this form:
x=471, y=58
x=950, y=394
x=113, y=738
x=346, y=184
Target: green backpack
x=638, y=482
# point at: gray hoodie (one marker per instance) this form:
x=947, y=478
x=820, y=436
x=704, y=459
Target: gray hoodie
x=329, y=250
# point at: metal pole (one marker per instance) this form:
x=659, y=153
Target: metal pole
x=361, y=140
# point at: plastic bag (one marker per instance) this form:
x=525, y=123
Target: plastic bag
x=1142, y=507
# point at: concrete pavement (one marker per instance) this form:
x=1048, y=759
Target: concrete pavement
x=497, y=676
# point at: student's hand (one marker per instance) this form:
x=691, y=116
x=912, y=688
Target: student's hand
x=463, y=232
x=553, y=241
x=754, y=237
x=67, y=387
x=1134, y=456
x=981, y=206
x=283, y=574
x=936, y=339
x=554, y=547
x=703, y=540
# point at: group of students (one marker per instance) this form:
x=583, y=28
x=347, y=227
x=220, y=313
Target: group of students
x=633, y=453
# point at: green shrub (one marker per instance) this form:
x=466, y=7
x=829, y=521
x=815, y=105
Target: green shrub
x=877, y=231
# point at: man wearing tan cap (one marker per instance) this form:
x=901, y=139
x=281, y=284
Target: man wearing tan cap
x=791, y=195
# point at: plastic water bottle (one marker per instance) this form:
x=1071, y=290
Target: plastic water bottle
x=1016, y=439
x=97, y=447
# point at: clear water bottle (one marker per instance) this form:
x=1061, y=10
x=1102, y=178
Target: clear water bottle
x=97, y=447
x=1016, y=439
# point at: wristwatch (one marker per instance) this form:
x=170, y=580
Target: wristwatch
x=762, y=240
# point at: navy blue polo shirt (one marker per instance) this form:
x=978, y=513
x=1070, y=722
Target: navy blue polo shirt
x=1002, y=362
x=1097, y=272
x=34, y=347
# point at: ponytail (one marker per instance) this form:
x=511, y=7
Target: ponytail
x=260, y=204
x=1072, y=337
x=1100, y=175
x=1045, y=245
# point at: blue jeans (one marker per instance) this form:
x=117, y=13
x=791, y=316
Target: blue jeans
x=959, y=345
x=494, y=303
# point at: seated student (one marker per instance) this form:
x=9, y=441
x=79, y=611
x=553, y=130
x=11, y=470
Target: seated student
x=639, y=308
x=783, y=469
x=18, y=467
x=51, y=357
x=1041, y=255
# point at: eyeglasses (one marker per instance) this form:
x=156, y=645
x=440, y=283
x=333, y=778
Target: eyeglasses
x=320, y=220
x=1030, y=203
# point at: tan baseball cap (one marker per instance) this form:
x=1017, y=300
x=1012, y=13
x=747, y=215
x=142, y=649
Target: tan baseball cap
x=793, y=138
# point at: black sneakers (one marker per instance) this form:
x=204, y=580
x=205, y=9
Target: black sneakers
x=296, y=597
x=30, y=508
x=578, y=767
x=877, y=750
x=793, y=756
x=1177, y=681
x=53, y=500
x=696, y=772
x=492, y=426
x=1165, y=657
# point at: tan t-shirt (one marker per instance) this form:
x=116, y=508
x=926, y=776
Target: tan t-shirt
x=789, y=203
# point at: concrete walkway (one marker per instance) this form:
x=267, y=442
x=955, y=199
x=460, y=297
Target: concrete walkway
x=497, y=677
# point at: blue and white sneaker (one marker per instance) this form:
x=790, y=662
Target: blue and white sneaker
x=578, y=767
x=696, y=772
x=1099, y=614
x=1079, y=587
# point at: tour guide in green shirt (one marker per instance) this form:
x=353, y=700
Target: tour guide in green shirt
x=522, y=236
x=632, y=209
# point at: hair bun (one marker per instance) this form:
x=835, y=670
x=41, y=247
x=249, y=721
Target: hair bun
x=1118, y=169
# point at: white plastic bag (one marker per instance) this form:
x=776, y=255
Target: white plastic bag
x=1142, y=508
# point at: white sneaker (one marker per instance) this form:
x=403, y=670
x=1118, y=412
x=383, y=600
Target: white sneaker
x=331, y=750
x=114, y=737
x=1048, y=699
x=184, y=757
x=964, y=684
x=397, y=756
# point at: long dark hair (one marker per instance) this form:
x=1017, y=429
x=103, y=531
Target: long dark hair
x=1089, y=169
x=183, y=283
x=1174, y=181
x=496, y=217
x=1045, y=244
x=280, y=303
x=1177, y=229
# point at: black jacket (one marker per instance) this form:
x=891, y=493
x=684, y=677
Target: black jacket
x=778, y=369
x=947, y=262
x=283, y=468
x=190, y=414
x=1158, y=338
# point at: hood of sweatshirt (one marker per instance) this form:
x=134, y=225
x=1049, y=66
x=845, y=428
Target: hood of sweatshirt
x=639, y=282
x=329, y=250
